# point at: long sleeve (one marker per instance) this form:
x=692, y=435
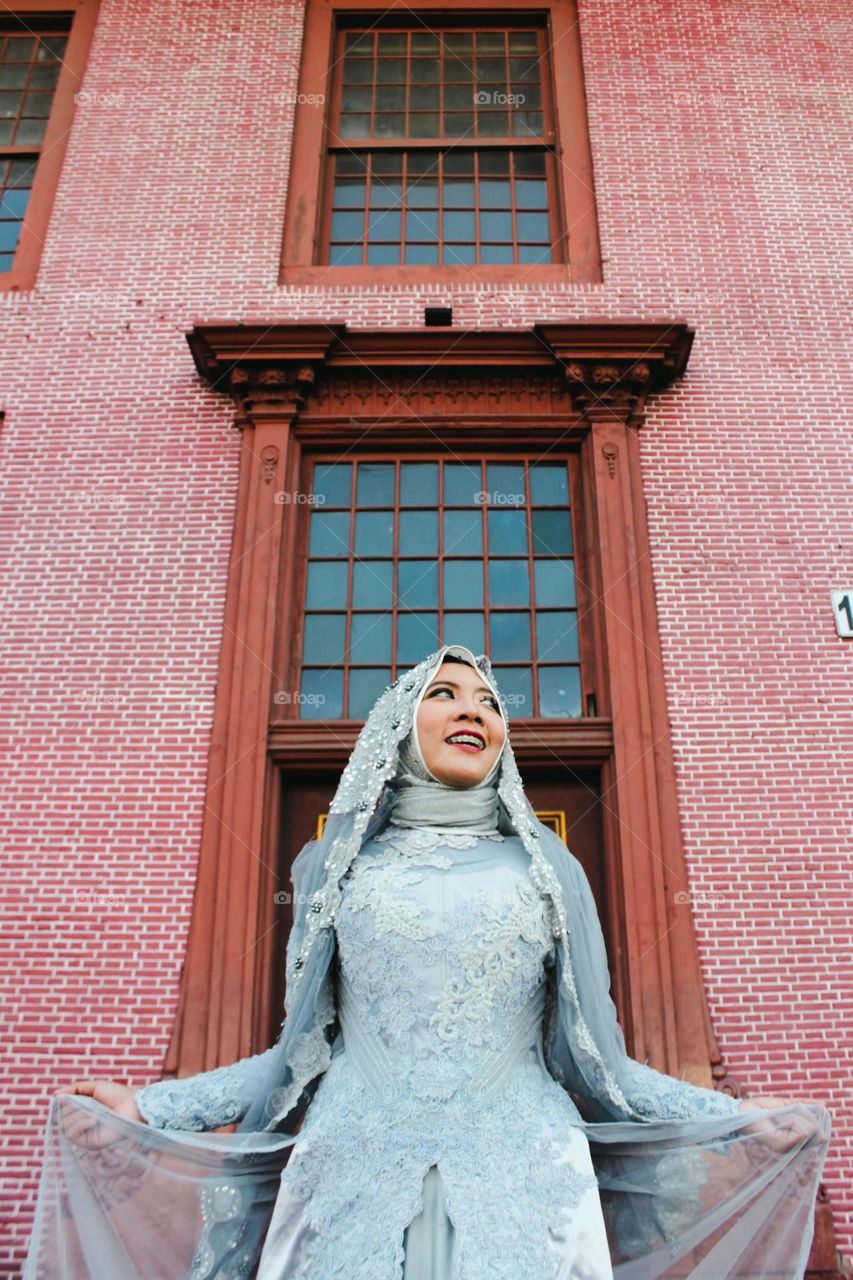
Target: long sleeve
x=662, y=1097
x=204, y=1101
x=212, y=1098
x=650, y=1093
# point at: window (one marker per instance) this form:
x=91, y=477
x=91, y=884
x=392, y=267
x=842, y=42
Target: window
x=404, y=556
x=42, y=57
x=432, y=145
x=476, y=180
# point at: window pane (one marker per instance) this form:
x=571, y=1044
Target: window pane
x=534, y=226
x=506, y=480
x=327, y=585
x=458, y=192
x=508, y=582
x=29, y=131
x=463, y=533
x=375, y=486
x=559, y=691
x=557, y=636
x=350, y=193
x=332, y=485
x=462, y=483
x=370, y=638
x=555, y=582
x=531, y=193
x=423, y=193
x=321, y=696
x=495, y=194
x=496, y=253
x=422, y=224
x=325, y=637
x=460, y=253
x=346, y=255
x=549, y=484
x=417, y=635
x=496, y=226
x=387, y=126
x=365, y=686
x=418, y=533
x=346, y=225
x=383, y=254
x=372, y=584
x=422, y=253
x=463, y=582
x=418, y=584
x=508, y=532
x=534, y=253
x=510, y=636
x=458, y=226
x=419, y=484
x=329, y=535
x=552, y=533
x=466, y=628
x=385, y=195
x=374, y=534
x=384, y=224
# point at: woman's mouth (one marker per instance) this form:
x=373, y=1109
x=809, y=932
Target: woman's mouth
x=473, y=742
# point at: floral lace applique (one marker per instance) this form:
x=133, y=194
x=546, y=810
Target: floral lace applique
x=415, y=840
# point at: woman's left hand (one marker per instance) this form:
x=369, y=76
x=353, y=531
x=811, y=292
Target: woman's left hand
x=783, y=1133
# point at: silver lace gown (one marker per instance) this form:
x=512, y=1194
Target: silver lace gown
x=427, y=1151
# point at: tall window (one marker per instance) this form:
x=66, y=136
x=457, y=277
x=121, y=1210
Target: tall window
x=31, y=53
x=473, y=181
x=404, y=556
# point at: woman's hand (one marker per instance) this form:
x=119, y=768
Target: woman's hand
x=87, y=1130
x=784, y=1132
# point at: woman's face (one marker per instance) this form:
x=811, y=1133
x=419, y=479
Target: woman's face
x=457, y=700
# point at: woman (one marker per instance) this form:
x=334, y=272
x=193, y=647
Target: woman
x=474, y=1112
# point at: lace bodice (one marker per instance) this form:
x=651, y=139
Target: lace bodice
x=441, y=967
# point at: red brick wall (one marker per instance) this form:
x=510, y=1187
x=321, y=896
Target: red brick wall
x=718, y=141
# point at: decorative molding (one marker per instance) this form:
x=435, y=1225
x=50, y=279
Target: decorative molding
x=323, y=374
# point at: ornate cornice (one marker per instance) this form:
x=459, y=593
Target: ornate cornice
x=331, y=373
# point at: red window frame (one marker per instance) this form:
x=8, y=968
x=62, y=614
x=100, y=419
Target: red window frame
x=566, y=133
x=83, y=17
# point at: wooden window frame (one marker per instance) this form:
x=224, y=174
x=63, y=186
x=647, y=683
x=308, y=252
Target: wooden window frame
x=294, y=658
x=573, y=188
x=83, y=14
x=298, y=387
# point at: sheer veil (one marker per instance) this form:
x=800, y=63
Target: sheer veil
x=690, y=1188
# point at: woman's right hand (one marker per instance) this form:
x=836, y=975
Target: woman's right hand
x=120, y=1098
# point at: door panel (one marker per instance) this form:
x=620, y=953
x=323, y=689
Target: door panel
x=568, y=802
